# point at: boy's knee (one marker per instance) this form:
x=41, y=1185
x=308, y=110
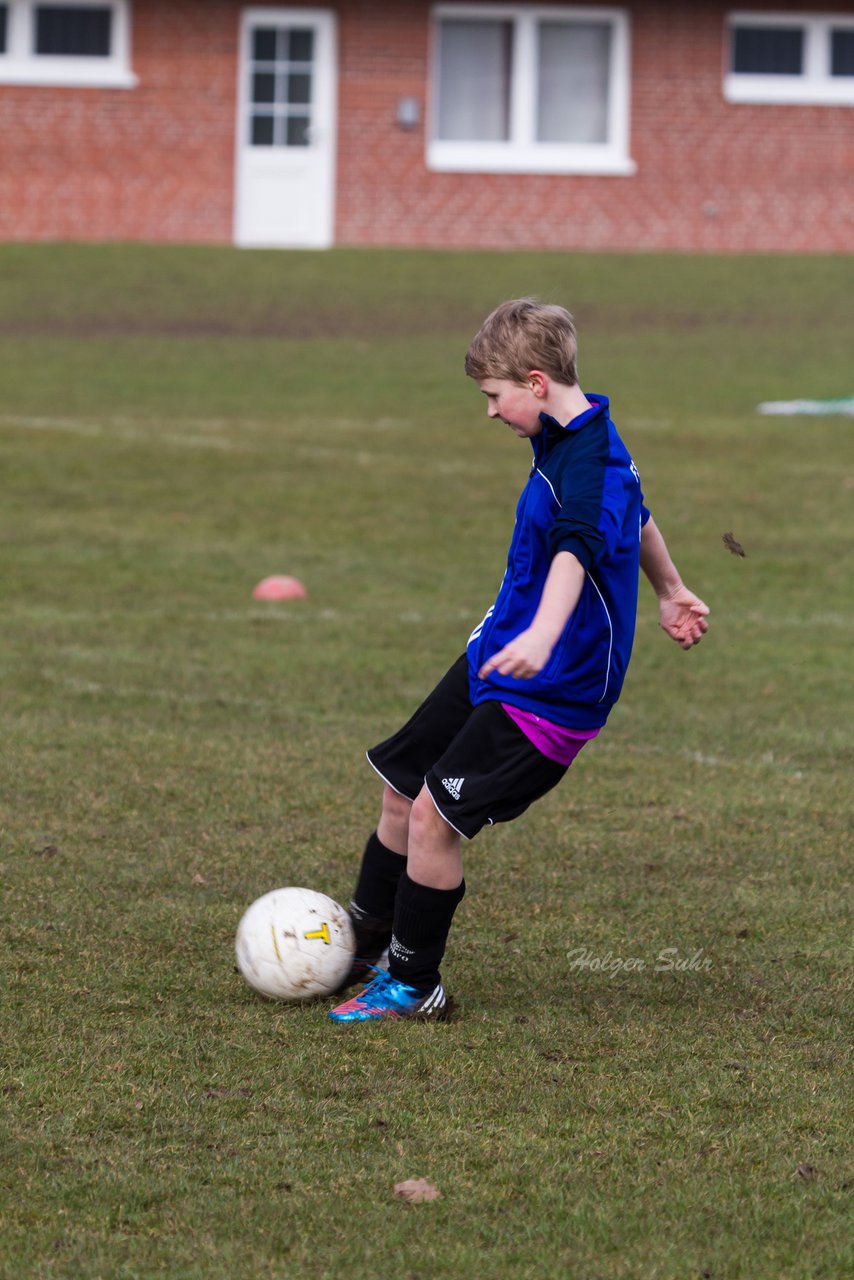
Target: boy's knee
x=396, y=806
x=426, y=824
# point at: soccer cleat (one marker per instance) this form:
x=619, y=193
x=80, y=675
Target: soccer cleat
x=386, y=997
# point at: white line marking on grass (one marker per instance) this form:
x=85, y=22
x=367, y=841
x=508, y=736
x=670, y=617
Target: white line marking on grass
x=74, y=425
x=149, y=432
x=809, y=620
x=274, y=613
x=118, y=429
x=764, y=763
x=151, y=693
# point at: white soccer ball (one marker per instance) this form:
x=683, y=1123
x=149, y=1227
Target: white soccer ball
x=295, y=944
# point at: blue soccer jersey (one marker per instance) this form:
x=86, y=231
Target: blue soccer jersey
x=583, y=495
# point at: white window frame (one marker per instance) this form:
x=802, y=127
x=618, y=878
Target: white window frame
x=20, y=64
x=815, y=85
x=522, y=153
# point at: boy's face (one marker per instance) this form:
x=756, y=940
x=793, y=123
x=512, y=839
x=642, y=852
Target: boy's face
x=517, y=404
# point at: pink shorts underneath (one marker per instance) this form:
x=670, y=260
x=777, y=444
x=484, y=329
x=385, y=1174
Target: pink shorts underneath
x=554, y=740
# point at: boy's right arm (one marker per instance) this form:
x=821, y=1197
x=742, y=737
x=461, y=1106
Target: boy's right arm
x=681, y=614
x=528, y=652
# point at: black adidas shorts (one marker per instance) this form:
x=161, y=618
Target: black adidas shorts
x=478, y=765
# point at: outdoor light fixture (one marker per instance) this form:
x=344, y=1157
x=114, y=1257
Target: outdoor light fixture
x=408, y=112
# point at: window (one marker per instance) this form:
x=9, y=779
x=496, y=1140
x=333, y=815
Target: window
x=790, y=58
x=530, y=90
x=84, y=44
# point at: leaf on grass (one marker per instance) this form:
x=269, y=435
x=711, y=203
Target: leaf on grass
x=732, y=544
x=198, y=879
x=808, y=1172
x=416, y=1191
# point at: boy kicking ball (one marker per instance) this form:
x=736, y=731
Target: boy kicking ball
x=541, y=671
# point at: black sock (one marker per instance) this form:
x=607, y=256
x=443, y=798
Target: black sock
x=372, y=907
x=422, y=921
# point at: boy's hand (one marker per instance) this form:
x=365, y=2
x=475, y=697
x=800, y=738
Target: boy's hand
x=522, y=658
x=683, y=616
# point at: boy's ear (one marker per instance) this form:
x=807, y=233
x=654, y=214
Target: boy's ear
x=538, y=383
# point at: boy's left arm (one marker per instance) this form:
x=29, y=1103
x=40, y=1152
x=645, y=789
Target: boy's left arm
x=681, y=614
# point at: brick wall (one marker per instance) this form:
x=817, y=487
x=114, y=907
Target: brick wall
x=157, y=162
x=151, y=163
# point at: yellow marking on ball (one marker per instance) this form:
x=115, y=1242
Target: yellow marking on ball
x=322, y=932
x=275, y=944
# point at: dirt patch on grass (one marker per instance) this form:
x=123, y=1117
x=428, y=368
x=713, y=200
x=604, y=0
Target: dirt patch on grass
x=360, y=323
x=296, y=326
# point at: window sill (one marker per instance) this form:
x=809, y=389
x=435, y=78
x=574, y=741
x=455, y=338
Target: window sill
x=452, y=157
x=789, y=90
x=64, y=75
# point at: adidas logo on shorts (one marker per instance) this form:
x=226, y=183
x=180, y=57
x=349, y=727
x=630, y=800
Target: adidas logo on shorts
x=454, y=786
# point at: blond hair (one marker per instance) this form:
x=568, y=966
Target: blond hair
x=522, y=335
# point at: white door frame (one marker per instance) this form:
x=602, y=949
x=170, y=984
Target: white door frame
x=318, y=168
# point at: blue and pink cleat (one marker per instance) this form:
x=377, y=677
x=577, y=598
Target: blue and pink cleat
x=386, y=997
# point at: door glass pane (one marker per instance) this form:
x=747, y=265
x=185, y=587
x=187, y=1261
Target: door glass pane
x=842, y=53
x=264, y=44
x=262, y=131
x=474, y=81
x=263, y=87
x=297, y=131
x=300, y=46
x=3, y=9
x=73, y=32
x=768, y=51
x=298, y=88
x=574, y=73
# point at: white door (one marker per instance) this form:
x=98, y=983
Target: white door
x=286, y=129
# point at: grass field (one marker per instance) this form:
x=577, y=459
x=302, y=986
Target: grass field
x=175, y=425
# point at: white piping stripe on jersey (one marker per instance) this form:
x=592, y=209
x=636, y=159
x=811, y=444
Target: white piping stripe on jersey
x=476, y=633
x=611, y=640
x=538, y=472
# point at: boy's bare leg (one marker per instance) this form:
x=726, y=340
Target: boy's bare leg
x=393, y=826
x=434, y=857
